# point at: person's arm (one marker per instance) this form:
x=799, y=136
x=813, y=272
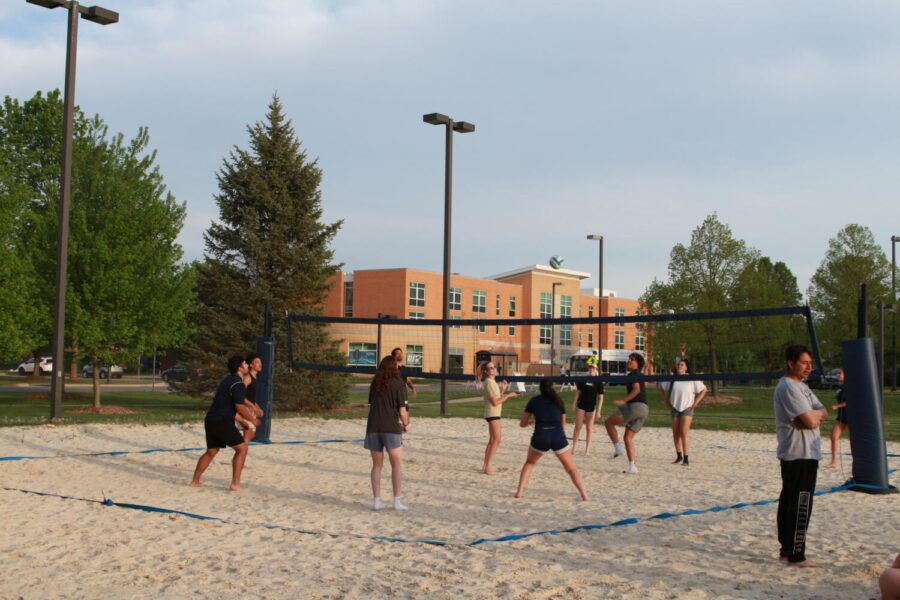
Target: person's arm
x=503, y=397
x=256, y=409
x=246, y=413
x=411, y=387
x=525, y=421
x=664, y=393
x=811, y=418
x=575, y=399
x=599, y=407
x=839, y=405
x=635, y=390
x=404, y=419
x=699, y=397
x=562, y=420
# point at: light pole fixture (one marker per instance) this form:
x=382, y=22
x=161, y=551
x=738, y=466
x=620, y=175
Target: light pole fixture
x=882, y=308
x=894, y=240
x=459, y=127
x=552, y=325
x=101, y=16
x=599, y=238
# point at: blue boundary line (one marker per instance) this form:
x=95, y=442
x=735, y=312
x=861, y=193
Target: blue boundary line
x=505, y=538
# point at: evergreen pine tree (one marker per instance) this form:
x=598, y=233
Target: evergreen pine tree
x=269, y=245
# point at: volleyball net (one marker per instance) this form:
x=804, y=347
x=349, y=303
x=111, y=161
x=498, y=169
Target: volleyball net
x=745, y=345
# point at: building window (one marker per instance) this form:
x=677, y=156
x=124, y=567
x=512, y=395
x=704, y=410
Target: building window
x=590, y=337
x=544, y=334
x=456, y=360
x=452, y=326
x=414, y=356
x=590, y=311
x=620, y=340
x=362, y=354
x=639, y=325
x=479, y=302
x=498, y=305
x=512, y=330
x=416, y=294
x=477, y=327
x=455, y=298
x=416, y=315
x=565, y=335
x=620, y=312
x=565, y=306
x=348, y=298
x=546, y=305
x=512, y=306
x=639, y=341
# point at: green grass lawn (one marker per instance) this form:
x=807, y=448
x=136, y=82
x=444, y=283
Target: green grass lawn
x=751, y=413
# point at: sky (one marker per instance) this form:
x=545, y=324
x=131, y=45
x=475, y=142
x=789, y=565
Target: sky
x=632, y=120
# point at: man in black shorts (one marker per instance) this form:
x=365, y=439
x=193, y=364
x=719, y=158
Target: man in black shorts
x=219, y=423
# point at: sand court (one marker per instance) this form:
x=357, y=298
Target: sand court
x=303, y=526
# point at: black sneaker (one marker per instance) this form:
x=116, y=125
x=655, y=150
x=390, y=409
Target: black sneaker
x=676, y=461
x=685, y=462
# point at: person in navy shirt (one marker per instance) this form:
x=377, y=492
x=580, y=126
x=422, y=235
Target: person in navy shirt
x=549, y=420
x=219, y=423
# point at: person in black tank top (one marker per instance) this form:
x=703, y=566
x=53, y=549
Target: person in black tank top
x=254, y=366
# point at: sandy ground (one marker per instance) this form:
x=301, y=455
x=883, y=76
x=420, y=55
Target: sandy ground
x=319, y=494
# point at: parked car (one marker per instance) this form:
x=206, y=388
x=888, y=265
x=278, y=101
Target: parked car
x=828, y=381
x=45, y=365
x=178, y=372
x=115, y=371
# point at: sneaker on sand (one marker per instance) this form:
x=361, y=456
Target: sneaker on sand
x=377, y=504
x=632, y=469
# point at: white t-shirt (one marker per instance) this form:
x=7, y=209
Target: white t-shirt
x=683, y=395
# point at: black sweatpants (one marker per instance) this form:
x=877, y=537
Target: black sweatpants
x=798, y=482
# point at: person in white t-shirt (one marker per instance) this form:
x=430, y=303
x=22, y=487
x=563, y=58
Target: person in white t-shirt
x=681, y=398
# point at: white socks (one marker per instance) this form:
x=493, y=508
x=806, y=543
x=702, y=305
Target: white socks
x=619, y=450
x=632, y=468
x=377, y=504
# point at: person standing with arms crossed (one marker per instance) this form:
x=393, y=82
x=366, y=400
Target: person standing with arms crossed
x=798, y=414
x=219, y=423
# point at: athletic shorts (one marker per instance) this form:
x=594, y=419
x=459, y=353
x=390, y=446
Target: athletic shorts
x=634, y=414
x=842, y=415
x=222, y=433
x=489, y=419
x=379, y=442
x=586, y=406
x=549, y=438
x=244, y=424
x=688, y=412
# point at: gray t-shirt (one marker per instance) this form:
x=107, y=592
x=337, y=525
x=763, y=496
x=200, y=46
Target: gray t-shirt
x=792, y=399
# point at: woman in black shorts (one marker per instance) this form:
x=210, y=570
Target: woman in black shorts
x=549, y=434
x=840, y=421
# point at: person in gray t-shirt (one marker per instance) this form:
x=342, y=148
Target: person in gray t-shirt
x=798, y=414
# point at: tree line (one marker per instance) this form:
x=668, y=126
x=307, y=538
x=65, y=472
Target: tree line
x=717, y=272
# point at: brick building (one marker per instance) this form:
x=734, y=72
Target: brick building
x=522, y=294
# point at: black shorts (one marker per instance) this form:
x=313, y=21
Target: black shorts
x=842, y=415
x=549, y=438
x=222, y=433
x=587, y=405
x=489, y=419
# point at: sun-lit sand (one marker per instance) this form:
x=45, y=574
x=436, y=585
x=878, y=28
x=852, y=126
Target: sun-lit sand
x=320, y=495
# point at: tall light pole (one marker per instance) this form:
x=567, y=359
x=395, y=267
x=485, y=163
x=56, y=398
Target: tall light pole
x=894, y=240
x=102, y=16
x=553, y=326
x=459, y=127
x=599, y=238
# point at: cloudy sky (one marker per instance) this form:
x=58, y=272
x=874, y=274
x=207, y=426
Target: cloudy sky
x=633, y=120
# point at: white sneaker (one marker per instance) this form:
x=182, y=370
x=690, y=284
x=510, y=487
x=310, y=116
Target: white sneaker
x=619, y=451
x=377, y=504
x=632, y=469
x=399, y=505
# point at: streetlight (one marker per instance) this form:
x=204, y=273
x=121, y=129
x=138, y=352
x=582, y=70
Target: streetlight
x=459, y=127
x=894, y=240
x=882, y=308
x=552, y=325
x=599, y=238
x=101, y=16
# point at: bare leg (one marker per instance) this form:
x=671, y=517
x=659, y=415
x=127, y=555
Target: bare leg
x=527, y=468
x=249, y=434
x=836, y=432
x=589, y=433
x=202, y=464
x=610, y=424
x=396, y=458
x=579, y=420
x=237, y=465
x=629, y=445
x=568, y=464
x=494, y=435
x=377, y=464
x=676, y=434
x=684, y=429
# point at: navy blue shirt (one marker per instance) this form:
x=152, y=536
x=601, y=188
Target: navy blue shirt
x=642, y=395
x=546, y=412
x=231, y=391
